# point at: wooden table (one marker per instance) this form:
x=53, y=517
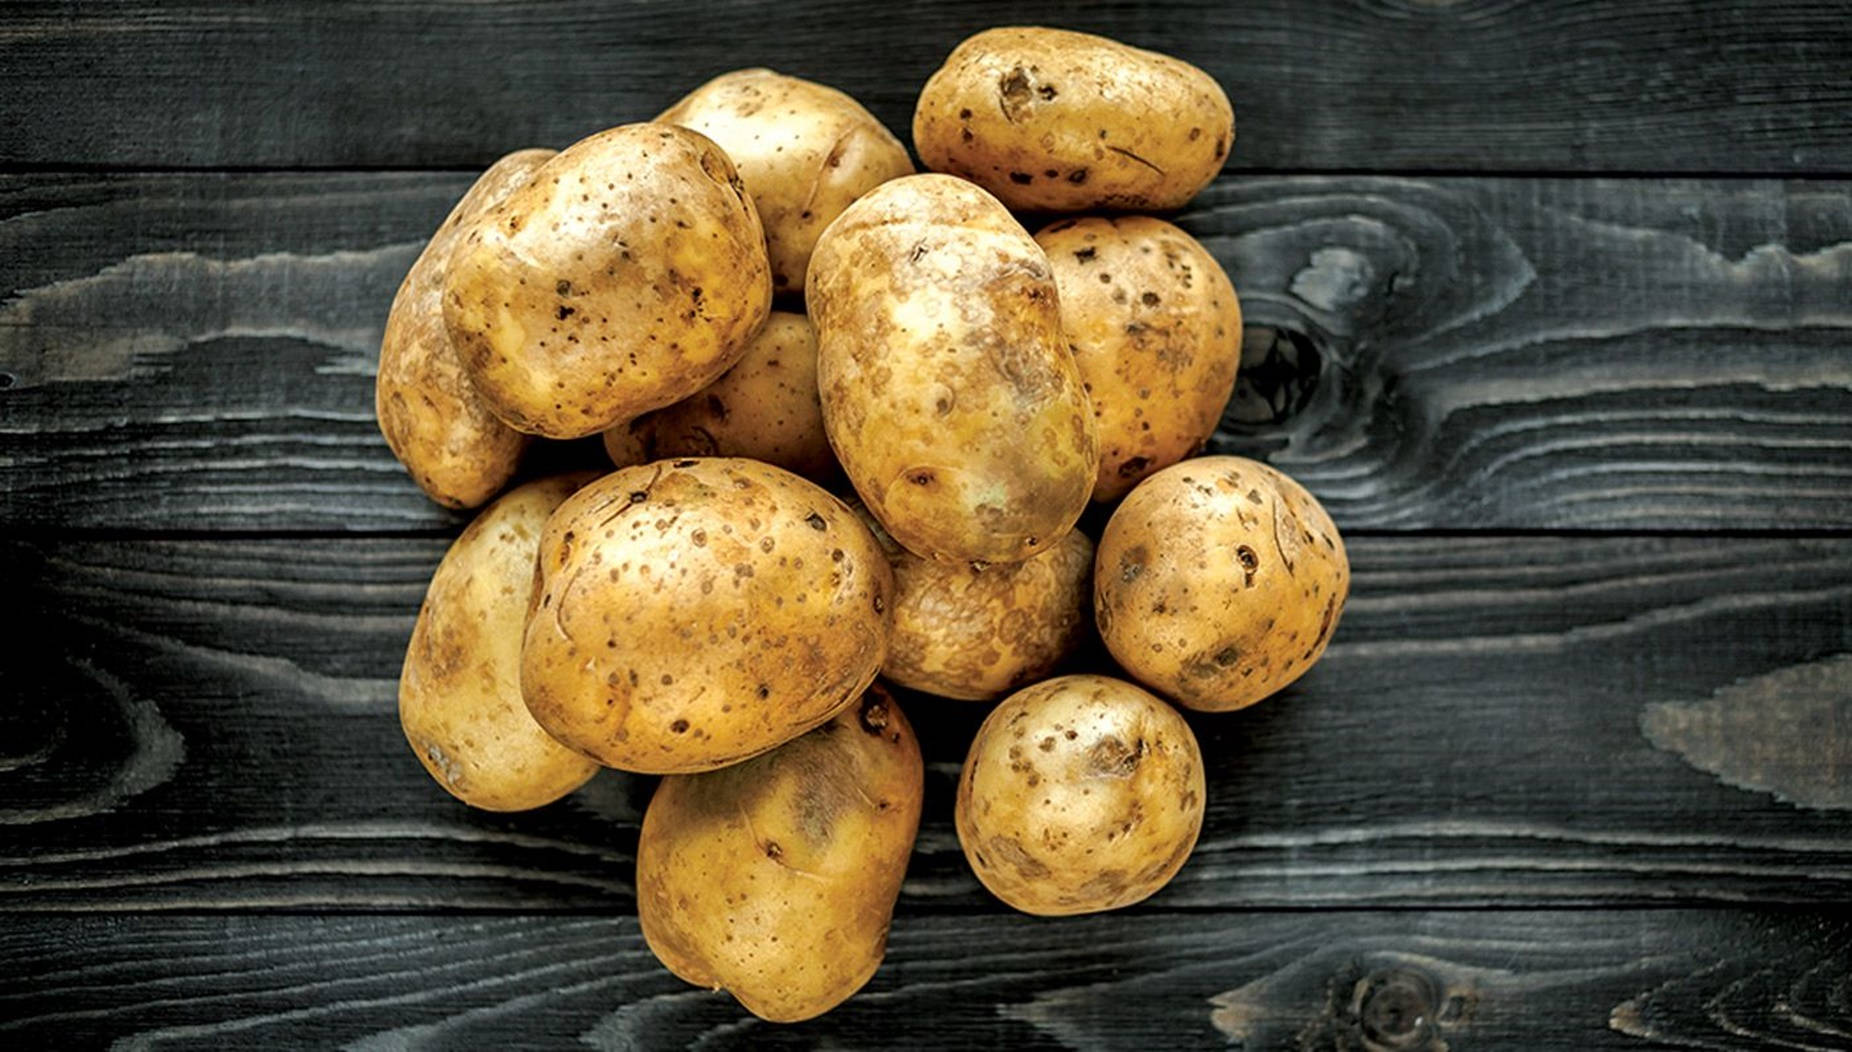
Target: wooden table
x=1551, y=303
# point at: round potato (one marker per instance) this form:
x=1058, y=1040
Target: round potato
x=627, y=274
x=949, y=393
x=1219, y=581
x=775, y=879
x=804, y=151
x=1156, y=330
x=460, y=690
x=1080, y=794
x=1056, y=121
x=693, y=613
x=459, y=453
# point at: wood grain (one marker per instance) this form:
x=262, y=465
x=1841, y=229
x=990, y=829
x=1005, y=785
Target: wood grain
x=197, y=352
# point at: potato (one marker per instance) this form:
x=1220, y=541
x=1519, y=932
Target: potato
x=1055, y=121
x=775, y=879
x=948, y=391
x=696, y=612
x=803, y=150
x=1219, y=581
x=629, y=273
x=1156, y=331
x=459, y=453
x=1080, y=794
x=460, y=690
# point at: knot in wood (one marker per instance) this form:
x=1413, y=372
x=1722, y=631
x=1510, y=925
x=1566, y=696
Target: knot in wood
x=1398, y=1008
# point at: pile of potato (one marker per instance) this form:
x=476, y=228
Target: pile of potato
x=713, y=613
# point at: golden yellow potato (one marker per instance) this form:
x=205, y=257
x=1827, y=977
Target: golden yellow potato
x=696, y=612
x=460, y=690
x=1055, y=121
x=1219, y=581
x=459, y=453
x=1156, y=330
x=627, y=274
x=948, y=390
x=804, y=151
x=1080, y=794
x=775, y=879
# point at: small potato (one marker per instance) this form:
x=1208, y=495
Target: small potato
x=459, y=453
x=775, y=879
x=1156, y=331
x=1080, y=794
x=697, y=612
x=627, y=274
x=804, y=151
x=948, y=390
x=460, y=690
x=1056, y=121
x=1219, y=581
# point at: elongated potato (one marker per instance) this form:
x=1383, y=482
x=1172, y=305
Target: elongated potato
x=459, y=453
x=775, y=879
x=460, y=690
x=948, y=390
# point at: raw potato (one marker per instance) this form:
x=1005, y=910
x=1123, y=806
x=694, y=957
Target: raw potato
x=1219, y=581
x=460, y=689
x=948, y=390
x=804, y=151
x=775, y=879
x=693, y=613
x=1080, y=794
x=459, y=453
x=1056, y=121
x=1156, y=331
x=629, y=273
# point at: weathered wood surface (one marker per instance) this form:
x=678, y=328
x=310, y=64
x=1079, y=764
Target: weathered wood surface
x=196, y=352
x=1590, y=85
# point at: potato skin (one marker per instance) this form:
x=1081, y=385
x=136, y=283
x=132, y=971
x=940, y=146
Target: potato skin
x=459, y=453
x=1219, y=581
x=697, y=612
x=1156, y=330
x=804, y=151
x=1056, y=121
x=775, y=879
x=1080, y=794
x=460, y=691
x=627, y=274
x=949, y=393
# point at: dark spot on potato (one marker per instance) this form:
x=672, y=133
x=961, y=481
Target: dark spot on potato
x=964, y=115
x=1149, y=299
x=873, y=716
x=1086, y=255
x=1077, y=176
x=564, y=288
x=816, y=521
x=1110, y=758
x=1046, y=91
x=1013, y=93
x=1227, y=656
x=1133, y=467
x=564, y=312
x=1132, y=563
x=638, y=496
x=1010, y=851
x=1021, y=178
x=679, y=726
x=773, y=851
x=921, y=477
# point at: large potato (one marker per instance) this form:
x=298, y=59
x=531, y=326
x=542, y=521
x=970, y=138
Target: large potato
x=948, y=390
x=460, y=690
x=1219, y=581
x=693, y=613
x=1080, y=794
x=775, y=879
x=627, y=274
x=459, y=453
x=1156, y=331
x=1056, y=121
x=804, y=151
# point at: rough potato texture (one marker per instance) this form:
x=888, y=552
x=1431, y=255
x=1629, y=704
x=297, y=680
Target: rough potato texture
x=627, y=274
x=1080, y=794
x=1055, y=121
x=1219, y=581
x=804, y=151
x=948, y=390
x=775, y=879
x=460, y=691
x=459, y=453
x=693, y=613
x=1156, y=330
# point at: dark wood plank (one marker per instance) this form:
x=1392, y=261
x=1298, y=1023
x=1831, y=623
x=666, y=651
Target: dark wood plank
x=1659, y=85
x=196, y=352
x=210, y=724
